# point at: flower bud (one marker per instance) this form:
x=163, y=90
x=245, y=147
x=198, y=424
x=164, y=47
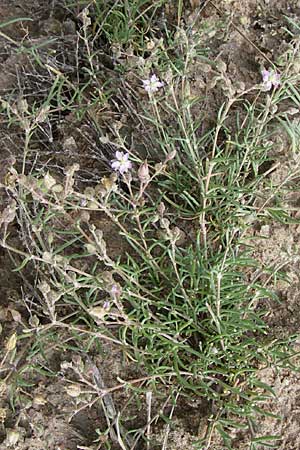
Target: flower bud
x=11, y=343
x=161, y=209
x=171, y=155
x=49, y=181
x=42, y=114
x=143, y=172
x=90, y=248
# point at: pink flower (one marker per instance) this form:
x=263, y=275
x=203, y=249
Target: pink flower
x=122, y=163
x=153, y=84
x=116, y=291
x=270, y=78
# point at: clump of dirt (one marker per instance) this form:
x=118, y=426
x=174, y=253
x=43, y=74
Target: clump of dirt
x=175, y=439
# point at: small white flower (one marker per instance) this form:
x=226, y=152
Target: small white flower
x=122, y=163
x=153, y=84
x=270, y=79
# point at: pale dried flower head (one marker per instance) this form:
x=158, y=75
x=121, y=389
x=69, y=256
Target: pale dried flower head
x=98, y=312
x=39, y=400
x=73, y=390
x=12, y=437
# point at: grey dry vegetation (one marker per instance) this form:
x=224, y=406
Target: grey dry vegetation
x=184, y=301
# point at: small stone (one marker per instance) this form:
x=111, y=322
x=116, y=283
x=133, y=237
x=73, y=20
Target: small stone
x=265, y=230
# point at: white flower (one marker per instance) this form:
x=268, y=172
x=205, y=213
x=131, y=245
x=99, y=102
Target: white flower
x=270, y=78
x=122, y=163
x=153, y=84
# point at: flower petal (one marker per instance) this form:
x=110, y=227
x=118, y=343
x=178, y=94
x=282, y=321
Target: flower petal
x=276, y=81
x=153, y=78
x=119, y=155
x=268, y=85
x=116, y=165
x=265, y=74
